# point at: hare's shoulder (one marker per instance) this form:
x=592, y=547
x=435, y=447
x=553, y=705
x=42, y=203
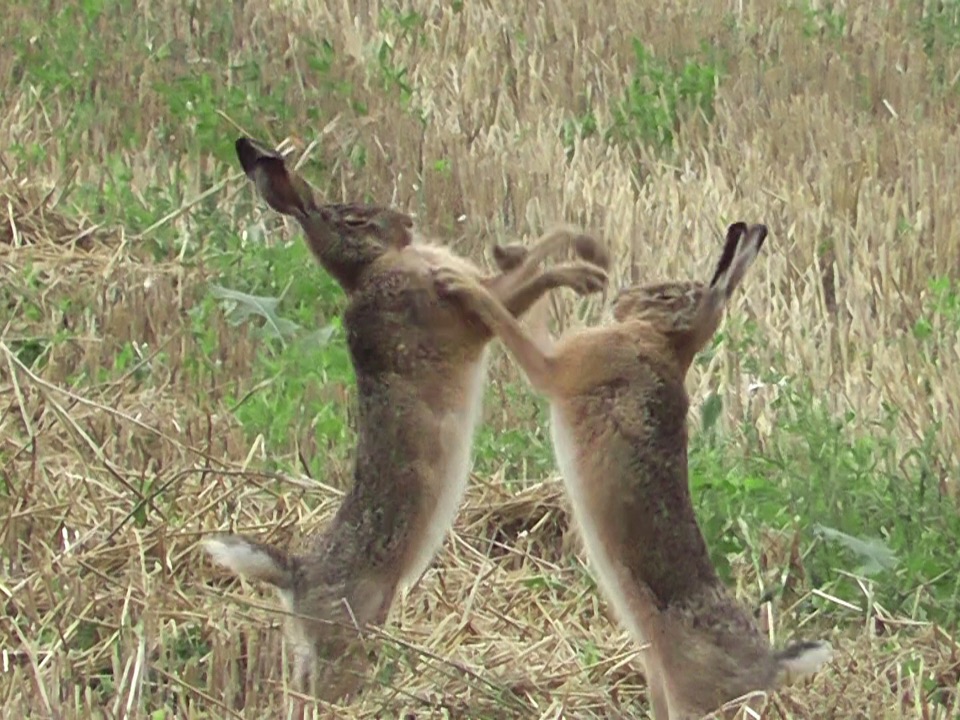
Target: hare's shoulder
x=391, y=299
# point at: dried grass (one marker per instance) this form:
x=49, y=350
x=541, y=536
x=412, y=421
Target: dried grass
x=840, y=147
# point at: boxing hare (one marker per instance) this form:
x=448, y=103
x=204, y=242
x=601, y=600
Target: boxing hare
x=420, y=371
x=618, y=424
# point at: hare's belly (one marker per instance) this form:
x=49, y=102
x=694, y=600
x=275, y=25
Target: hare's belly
x=455, y=440
x=611, y=575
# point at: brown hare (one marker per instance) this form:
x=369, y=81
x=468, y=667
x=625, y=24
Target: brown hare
x=618, y=424
x=420, y=373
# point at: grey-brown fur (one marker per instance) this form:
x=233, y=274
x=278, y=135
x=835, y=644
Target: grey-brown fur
x=618, y=416
x=420, y=367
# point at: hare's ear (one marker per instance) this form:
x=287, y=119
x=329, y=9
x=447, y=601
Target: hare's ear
x=253, y=560
x=282, y=189
x=742, y=251
x=734, y=233
x=253, y=154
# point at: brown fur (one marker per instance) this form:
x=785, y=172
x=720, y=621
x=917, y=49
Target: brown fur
x=619, y=410
x=420, y=369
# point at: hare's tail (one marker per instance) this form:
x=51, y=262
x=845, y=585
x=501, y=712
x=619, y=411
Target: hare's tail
x=802, y=658
x=252, y=559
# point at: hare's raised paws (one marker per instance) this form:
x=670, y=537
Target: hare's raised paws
x=583, y=278
x=509, y=257
x=454, y=284
x=591, y=250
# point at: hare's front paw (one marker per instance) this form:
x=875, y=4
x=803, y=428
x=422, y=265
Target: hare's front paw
x=451, y=283
x=591, y=250
x=583, y=278
x=509, y=257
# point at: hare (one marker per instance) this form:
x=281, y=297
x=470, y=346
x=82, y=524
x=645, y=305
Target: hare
x=420, y=371
x=618, y=426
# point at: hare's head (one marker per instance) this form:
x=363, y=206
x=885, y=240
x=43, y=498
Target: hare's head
x=289, y=194
x=687, y=314
x=345, y=239
x=693, y=309
x=666, y=306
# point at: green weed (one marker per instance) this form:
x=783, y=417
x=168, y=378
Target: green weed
x=659, y=95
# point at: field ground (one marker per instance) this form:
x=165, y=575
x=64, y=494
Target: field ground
x=172, y=363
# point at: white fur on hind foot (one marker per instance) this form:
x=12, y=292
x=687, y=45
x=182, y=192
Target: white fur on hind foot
x=244, y=558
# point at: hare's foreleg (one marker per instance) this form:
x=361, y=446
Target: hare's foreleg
x=478, y=301
x=517, y=284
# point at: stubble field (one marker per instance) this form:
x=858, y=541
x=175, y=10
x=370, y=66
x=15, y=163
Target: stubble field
x=172, y=362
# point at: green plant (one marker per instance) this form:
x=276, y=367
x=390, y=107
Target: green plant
x=658, y=95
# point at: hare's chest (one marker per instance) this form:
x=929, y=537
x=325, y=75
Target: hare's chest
x=455, y=430
x=387, y=330
x=582, y=487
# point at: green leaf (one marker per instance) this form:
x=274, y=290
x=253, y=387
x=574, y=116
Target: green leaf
x=876, y=555
x=240, y=306
x=710, y=411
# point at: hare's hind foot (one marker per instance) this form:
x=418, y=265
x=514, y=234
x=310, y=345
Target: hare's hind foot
x=800, y=659
x=342, y=684
x=251, y=559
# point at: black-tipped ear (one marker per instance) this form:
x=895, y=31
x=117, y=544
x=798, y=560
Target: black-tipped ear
x=252, y=153
x=282, y=189
x=758, y=234
x=734, y=233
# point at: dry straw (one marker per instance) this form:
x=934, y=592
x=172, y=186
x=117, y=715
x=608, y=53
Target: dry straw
x=840, y=146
